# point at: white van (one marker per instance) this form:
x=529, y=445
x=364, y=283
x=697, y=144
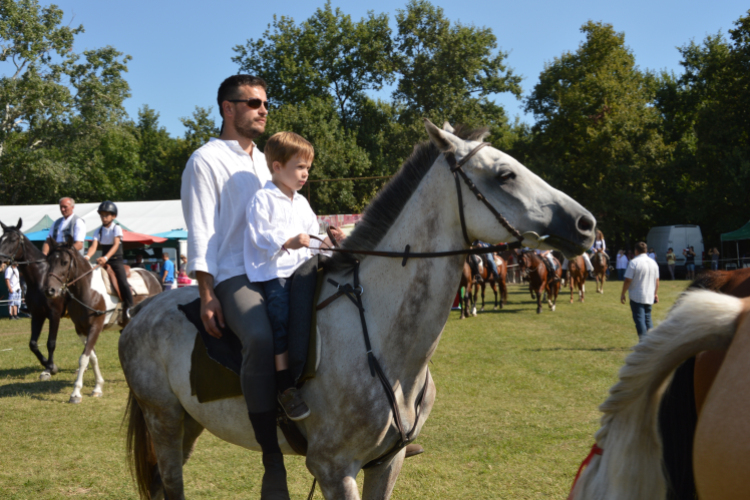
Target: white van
x=678, y=237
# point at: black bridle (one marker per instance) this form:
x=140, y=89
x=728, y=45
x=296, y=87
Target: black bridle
x=65, y=284
x=20, y=245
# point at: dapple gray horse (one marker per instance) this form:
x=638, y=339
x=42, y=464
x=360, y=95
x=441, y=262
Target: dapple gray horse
x=406, y=309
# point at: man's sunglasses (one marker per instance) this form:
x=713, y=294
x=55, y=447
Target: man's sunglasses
x=252, y=103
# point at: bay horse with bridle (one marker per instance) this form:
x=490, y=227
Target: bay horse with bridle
x=390, y=325
x=71, y=278
x=626, y=463
x=487, y=276
x=600, y=263
x=541, y=284
x=577, y=277
x=32, y=263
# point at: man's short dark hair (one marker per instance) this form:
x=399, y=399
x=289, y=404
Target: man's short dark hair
x=641, y=247
x=229, y=88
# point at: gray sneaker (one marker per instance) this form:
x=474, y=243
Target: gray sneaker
x=294, y=407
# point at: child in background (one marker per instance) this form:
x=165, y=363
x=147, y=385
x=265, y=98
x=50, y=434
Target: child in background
x=277, y=241
x=109, y=237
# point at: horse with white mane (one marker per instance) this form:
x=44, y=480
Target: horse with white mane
x=407, y=305
x=626, y=462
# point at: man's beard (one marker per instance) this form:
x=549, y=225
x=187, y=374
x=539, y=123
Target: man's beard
x=248, y=128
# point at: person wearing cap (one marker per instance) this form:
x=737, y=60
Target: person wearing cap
x=109, y=237
x=69, y=225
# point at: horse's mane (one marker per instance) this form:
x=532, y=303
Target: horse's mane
x=387, y=205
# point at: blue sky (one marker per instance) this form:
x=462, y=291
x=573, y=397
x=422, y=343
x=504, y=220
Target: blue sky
x=182, y=50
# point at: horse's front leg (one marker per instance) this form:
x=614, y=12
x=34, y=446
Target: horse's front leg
x=83, y=362
x=97, y=392
x=54, y=326
x=380, y=479
x=37, y=323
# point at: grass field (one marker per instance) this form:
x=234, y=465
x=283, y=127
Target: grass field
x=515, y=413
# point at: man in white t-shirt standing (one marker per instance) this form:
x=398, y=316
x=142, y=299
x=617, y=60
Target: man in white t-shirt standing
x=642, y=284
x=13, y=282
x=219, y=180
x=67, y=225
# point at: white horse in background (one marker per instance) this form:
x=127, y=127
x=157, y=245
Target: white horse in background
x=352, y=423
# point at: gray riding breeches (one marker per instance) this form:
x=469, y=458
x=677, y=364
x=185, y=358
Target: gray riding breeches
x=244, y=310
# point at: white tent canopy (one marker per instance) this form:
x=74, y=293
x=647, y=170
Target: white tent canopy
x=147, y=217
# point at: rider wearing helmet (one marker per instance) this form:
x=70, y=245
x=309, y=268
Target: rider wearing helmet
x=109, y=237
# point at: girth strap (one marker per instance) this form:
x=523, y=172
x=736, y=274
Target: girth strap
x=354, y=293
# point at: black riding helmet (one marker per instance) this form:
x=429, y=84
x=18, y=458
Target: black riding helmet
x=107, y=206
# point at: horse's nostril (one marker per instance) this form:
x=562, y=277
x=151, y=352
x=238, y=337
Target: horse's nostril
x=585, y=224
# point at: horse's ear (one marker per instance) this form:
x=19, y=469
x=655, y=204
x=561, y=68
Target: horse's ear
x=52, y=244
x=20, y=223
x=5, y=228
x=69, y=240
x=443, y=140
x=447, y=127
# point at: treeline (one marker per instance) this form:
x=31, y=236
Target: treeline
x=636, y=147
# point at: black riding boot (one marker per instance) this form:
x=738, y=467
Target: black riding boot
x=551, y=271
x=274, y=485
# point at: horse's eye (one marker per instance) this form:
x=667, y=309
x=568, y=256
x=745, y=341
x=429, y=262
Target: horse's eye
x=504, y=177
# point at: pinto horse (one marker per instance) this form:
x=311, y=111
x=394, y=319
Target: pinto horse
x=577, y=277
x=600, y=263
x=487, y=277
x=15, y=246
x=539, y=284
x=626, y=461
x=70, y=277
x=406, y=306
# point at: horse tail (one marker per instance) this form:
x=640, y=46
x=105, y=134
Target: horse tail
x=629, y=467
x=139, y=449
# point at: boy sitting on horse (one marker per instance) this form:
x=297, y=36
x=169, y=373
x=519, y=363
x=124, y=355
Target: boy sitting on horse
x=277, y=241
x=109, y=236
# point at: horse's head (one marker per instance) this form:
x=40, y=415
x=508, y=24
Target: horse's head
x=11, y=242
x=546, y=217
x=64, y=263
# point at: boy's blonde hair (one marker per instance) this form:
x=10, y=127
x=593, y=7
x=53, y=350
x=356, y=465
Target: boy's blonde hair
x=282, y=146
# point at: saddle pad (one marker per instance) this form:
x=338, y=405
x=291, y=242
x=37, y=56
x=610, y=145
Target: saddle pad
x=209, y=380
x=137, y=283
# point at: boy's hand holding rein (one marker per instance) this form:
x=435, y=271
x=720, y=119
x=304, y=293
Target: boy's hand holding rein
x=300, y=241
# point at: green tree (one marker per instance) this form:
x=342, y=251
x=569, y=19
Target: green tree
x=597, y=135
x=54, y=100
x=328, y=55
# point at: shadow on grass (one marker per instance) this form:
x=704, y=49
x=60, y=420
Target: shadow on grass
x=589, y=349
x=20, y=372
x=35, y=389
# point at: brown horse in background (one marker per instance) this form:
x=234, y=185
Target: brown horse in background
x=532, y=265
x=577, y=277
x=467, y=281
x=486, y=275
x=600, y=263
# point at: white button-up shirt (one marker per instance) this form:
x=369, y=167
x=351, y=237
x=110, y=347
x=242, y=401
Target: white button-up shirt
x=644, y=272
x=219, y=180
x=273, y=218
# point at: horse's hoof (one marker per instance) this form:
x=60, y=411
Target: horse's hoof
x=53, y=369
x=571, y=301
x=45, y=376
x=74, y=400
x=95, y=394
x=553, y=308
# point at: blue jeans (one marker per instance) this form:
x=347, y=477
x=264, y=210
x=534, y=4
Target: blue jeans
x=621, y=274
x=491, y=263
x=642, y=317
x=277, y=305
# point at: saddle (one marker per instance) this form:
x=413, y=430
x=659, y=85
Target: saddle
x=216, y=363
x=137, y=285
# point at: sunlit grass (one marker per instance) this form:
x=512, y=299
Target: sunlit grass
x=515, y=413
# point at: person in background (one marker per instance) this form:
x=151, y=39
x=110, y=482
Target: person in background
x=109, y=237
x=67, y=225
x=621, y=264
x=642, y=284
x=671, y=259
x=13, y=282
x=689, y=254
x=652, y=254
x=183, y=263
x=138, y=262
x=167, y=276
x=714, y=253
